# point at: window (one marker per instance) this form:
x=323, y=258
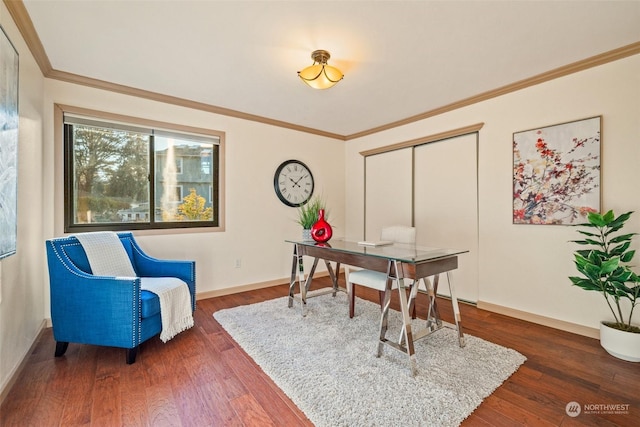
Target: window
x=122, y=176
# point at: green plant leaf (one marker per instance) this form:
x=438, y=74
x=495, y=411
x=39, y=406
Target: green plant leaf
x=581, y=259
x=627, y=256
x=610, y=265
x=622, y=238
x=584, y=283
x=596, y=219
x=586, y=242
x=621, y=275
x=594, y=242
x=596, y=257
x=618, y=223
x=584, y=224
x=608, y=217
x=621, y=287
x=592, y=272
x=620, y=249
x=620, y=220
x=584, y=252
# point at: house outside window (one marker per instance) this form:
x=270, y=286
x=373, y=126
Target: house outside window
x=205, y=162
x=124, y=176
x=179, y=165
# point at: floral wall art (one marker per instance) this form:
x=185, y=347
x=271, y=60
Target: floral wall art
x=556, y=173
x=8, y=145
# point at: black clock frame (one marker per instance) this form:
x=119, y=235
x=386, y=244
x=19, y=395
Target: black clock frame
x=276, y=187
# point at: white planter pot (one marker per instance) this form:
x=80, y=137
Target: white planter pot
x=306, y=235
x=620, y=344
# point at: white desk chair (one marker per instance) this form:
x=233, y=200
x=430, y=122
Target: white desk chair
x=375, y=279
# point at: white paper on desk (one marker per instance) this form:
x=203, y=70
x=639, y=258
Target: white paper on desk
x=376, y=243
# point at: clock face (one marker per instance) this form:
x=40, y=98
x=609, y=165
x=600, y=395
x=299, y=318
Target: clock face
x=293, y=183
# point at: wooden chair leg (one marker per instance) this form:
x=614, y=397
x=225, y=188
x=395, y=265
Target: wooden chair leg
x=381, y=297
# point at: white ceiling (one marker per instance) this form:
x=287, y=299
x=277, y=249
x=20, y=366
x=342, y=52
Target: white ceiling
x=400, y=58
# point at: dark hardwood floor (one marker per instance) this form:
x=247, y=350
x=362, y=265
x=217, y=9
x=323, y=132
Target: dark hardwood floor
x=202, y=378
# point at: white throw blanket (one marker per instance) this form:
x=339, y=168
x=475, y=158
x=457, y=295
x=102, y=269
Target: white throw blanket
x=175, y=304
x=107, y=257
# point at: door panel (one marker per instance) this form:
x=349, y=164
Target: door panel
x=387, y=191
x=446, y=206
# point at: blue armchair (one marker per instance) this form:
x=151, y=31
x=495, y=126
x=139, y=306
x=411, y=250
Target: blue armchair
x=102, y=310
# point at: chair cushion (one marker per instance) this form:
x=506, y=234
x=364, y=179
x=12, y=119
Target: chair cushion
x=150, y=304
x=371, y=279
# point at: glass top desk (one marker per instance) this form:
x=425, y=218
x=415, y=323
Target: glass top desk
x=399, y=262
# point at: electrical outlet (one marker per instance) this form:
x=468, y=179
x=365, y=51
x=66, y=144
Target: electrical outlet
x=238, y=263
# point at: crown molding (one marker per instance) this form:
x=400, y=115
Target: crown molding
x=424, y=140
x=23, y=21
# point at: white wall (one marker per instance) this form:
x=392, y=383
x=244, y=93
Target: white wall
x=21, y=275
x=525, y=267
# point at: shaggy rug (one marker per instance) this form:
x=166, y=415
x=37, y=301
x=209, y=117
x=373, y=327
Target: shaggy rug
x=326, y=363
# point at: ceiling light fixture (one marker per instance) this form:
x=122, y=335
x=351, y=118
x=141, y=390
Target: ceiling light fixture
x=320, y=75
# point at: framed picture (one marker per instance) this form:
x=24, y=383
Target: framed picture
x=556, y=173
x=8, y=145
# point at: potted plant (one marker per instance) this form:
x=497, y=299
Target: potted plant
x=604, y=266
x=308, y=215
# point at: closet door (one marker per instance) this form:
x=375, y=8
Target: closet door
x=446, y=206
x=387, y=191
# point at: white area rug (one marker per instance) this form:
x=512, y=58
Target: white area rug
x=325, y=362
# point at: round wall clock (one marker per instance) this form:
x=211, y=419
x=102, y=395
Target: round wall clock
x=293, y=183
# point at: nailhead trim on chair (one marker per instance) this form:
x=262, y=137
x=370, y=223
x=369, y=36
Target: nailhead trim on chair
x=136, y=321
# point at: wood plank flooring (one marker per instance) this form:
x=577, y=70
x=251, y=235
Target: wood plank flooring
x=202, y=378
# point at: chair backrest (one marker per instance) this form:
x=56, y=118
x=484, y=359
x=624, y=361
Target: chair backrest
x=399, y=234
x=71, y=247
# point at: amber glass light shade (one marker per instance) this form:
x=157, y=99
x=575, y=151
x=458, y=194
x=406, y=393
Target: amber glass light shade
x=320, y=75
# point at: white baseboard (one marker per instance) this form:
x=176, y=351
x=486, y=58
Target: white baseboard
x=541, y=320
x=251, y=287
x=238, y=289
